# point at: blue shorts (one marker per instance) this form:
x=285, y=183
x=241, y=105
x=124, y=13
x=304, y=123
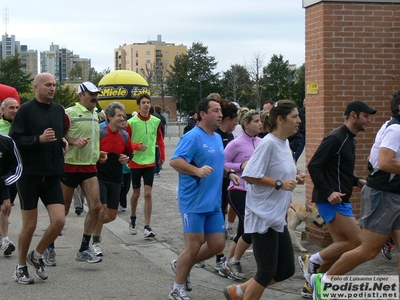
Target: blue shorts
x=328, y=211
x=207, y=223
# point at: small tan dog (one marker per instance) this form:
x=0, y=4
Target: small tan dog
x=298, y=213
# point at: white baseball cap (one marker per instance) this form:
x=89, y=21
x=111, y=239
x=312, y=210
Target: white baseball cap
x=87, y=86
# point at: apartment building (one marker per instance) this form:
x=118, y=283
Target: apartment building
x=29, y=59
x=141, y=56
x=9, y=46
x=59, y=62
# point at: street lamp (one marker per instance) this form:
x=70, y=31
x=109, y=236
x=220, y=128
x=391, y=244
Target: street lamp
x=200, y=79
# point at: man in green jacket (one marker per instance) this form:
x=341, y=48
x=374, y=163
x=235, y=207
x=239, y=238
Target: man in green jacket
x=146, y=130
x=80, y=163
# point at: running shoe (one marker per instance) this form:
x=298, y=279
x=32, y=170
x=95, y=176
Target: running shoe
x=121, y=209
x=40, y=270
x=21, y=275
x=230, y=293
x=132, y=229
x=178, y=294
x=307, y=267
x=229, y=234
x=218, y=264
x=316, y=286
x=8, y=247
x=79, y=210
x=225, y=272
x=234, y=270
x=387, y=249
x=148, y=233
x=188, y=283
x=49, y=257
x=306, y=291
x=96, y=249
x=200, y=264
x=87, y=256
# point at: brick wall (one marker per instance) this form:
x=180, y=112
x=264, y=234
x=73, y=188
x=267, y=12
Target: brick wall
x=353, y=52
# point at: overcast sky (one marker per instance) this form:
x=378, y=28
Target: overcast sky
x=233, y=30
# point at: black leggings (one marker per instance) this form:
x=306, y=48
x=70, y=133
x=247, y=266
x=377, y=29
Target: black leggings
x=237, y=200
x=273, y=252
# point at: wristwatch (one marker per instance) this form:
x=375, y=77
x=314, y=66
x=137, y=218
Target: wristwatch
x=230, y=172
x=278, y=184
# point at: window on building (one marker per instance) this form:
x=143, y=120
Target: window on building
x=137, y=53
x=166, y=53
x=147, y=52
x=147, y=61
x=137, y=62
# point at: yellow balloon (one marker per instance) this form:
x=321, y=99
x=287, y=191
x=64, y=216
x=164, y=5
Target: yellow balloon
x=123, y=86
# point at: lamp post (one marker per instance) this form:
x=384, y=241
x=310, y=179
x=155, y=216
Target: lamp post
x=200, y=79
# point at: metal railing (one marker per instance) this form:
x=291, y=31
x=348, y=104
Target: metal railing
x=174, y=129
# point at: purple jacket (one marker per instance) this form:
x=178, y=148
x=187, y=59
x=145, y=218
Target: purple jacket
x=237, y=152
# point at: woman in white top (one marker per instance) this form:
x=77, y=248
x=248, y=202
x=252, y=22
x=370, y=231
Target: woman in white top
x=271, y=177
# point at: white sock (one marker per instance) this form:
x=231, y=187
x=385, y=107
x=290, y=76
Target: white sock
x=36, y=255
x=316, y=258
x=233, y=260
x=5, y=239
x=19, y=266
x=229, y=225
x=177, y=286
x=239, y=291
x=326, y=279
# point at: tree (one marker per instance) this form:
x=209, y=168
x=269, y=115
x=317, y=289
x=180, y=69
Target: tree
x=65, y=95
x=149, y=73
x=254, y=69
x=237, y=85
x=299, y=88
x=11, y=74
x=156, y=76
x=192, y=77
x=278, y=79
x=76, y=72
x=161, y=81
x=95, y=76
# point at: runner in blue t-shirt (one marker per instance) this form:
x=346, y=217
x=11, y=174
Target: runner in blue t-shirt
x=199, y=159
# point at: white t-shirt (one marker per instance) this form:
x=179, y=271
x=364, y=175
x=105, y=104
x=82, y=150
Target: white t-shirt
x=387, y=137
x=238, y=131
x=266, y=207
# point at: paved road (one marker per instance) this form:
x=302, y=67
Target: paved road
x=134, y=268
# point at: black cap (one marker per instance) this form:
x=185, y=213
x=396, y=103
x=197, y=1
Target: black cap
x=359, y=106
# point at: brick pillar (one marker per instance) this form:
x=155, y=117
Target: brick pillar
x=352, y=53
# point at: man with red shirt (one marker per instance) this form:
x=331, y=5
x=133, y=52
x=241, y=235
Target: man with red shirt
x=146, y=130
x=116, y=142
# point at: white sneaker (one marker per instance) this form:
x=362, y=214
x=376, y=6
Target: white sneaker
x=229, y=233
x=97, y=249
x=148, y=233
x=121, y=209
x=178, y=294
x=132, y=229
x=8, y=247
